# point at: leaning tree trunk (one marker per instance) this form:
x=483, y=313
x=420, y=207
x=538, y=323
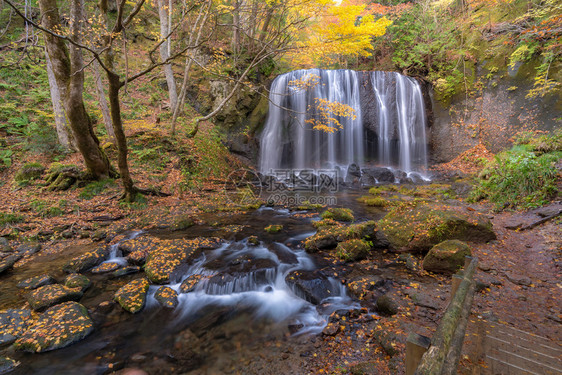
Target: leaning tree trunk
x=114, y=86
x=164, y=12
x=69, y=74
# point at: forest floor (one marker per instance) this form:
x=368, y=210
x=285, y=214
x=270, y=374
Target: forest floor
x=520, y=275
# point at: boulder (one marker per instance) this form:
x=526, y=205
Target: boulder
x=418, y=228
x=352, y=250
x=190, y=283
x=7, y=365
x=49, y=295
x=163, y=260
x=387, y=306
x=312, y=286
x=36, y=282
x=56, y=328
x=129, y=270
x=13, y=323
x=86, y=261
x=380, y=174
x=329, y=236
x=132, y=296
x=75, y=280
x=336, y=213
x=446, y=257
x=8, y=262
x=105, y=267
x=28, y=248
x=166, y=297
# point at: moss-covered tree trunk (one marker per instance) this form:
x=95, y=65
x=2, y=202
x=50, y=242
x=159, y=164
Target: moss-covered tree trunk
x=69, y=74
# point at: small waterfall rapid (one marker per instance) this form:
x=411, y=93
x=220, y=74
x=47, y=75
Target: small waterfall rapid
x=389, y=128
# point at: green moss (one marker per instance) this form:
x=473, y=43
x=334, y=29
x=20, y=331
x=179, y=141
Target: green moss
x=10, y=218
x=352, y=250
x=272, y=229
x=376, y=202
x=340, y=214
x=29, y=172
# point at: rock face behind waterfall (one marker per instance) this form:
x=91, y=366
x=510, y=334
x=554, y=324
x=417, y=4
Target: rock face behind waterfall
x=389, y=128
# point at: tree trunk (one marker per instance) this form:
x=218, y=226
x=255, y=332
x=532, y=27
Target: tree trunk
x=114, y=103
x=69, y=74
x=164, y=12
x=63, y=135
x=103, y=102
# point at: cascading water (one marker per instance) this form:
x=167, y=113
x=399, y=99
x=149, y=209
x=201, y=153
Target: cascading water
x=397, y=122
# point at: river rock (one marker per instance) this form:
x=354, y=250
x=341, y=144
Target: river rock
x=36, y=282
x=312, y=286
x=28, y=248
x=446, y=257
x=423, y=226
x=166, y=297
x=8, y=262
x=76, y=280
x=129, y=270
x=169, y=255
x=49, y=295
x=132, y=296
x=13, y=323
x=329, y=236
x=86, y=261
x=105, y=267
x=386, y=305
x=58, y=327
x=7, y=365
x=337, y=213
x=380, y=174
x=191, y=282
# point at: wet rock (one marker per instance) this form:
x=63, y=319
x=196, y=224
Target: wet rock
x=132, y=296
x=129, y=270
x=339, y=214
x=331, y=329
x=189, y=284
x=13, y=323
x=380, y=174
x=58, y=327
x=362, y=285
x=353, y=171
x=140, y=243
x=49, y=295
x=75, y=280
x=386, y=305
x=169, y=255
x=105, y=267
x=518, y=279
x=7, y=365
x=283, y=253
x=272, y=229
x=446, y=257
x=422, y=300
x=166, y=297
x=28, y=249
x=386, y=340
x=312, y=286
x=423, y=226
x=8, y=262
x=36, y=282
x=253, y=240
x=86, y=261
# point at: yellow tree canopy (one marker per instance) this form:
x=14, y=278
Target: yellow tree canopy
x=340, y=31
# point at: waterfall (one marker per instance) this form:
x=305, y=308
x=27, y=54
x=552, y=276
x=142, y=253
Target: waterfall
x=389, y=128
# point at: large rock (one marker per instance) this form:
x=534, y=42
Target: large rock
x=446, y=257
x=166, y=297
x=13, y=323
x=380, y=174
x=36, y=282
x=7, y=365
x=312, y=286
x=86, y=261
x=49, y=295
x=329, y=236
x=132, y=296
x=58, y=327
x=8, y=262
x=420, y=227
x=75, y=280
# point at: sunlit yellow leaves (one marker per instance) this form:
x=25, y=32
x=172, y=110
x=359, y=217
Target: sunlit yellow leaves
x=327, y=114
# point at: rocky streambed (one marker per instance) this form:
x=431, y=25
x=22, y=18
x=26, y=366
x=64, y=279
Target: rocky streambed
x=220, y=294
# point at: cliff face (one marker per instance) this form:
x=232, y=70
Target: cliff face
x=492, y=115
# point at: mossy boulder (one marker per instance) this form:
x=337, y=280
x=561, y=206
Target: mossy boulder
x=36, y=282
x=168, y=256
x=49, y=295
x=352, y=250
x=30, y=171
x=7, y=364
x=56, y=328
x=86, y=261
x=446, y=257
x=105, y=267
x=272, y=229
x=132, y=296
x=336, y=213
x=191, y=282
x=166, y=297
x=75, y=280
x=329, y=236
x=419, y=227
